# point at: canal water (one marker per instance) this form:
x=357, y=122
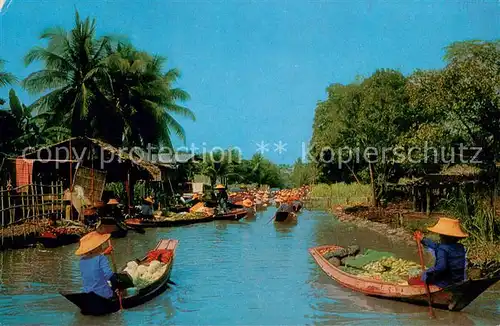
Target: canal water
x=227, y=273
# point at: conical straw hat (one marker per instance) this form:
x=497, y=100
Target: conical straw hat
x=91, y=241
x=113, y=201
x=149, y=200
x=449, y=227
x=220, y=186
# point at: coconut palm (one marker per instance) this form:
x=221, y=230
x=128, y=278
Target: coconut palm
x=145, y=98
x=73, y=77
x=5, y=78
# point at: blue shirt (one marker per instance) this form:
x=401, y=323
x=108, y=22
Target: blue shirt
x=449, y=267
x=95, y=274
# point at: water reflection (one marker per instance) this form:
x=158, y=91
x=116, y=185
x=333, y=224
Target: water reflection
x=227, y=273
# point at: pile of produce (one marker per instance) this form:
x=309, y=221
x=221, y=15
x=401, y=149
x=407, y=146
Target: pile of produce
x=374, y=265
x=182, y=216
x=145, y=274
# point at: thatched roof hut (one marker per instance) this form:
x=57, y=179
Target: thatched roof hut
x=96, y=154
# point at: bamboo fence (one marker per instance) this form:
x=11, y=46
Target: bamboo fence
x=30, y=203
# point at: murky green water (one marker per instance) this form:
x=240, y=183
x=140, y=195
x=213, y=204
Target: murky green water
x=227, y=273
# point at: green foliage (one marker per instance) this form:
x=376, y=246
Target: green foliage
x=434, y=111
x=89, y=82
x=228, y=167
x=303, y=174
x=476, y=216
x=341, y=193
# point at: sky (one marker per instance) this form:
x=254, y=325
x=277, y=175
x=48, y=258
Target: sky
x=256, y=69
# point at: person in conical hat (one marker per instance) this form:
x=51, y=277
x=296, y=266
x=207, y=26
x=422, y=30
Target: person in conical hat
x=222, y=199
x=94, y=266
x=147, y=208
x=247, y=203
x=450, y=263
x=113, y=210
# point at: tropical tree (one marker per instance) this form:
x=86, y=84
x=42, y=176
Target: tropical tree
x=221, y=166
x=6, y=78
x=144, y=98
x=74, y=76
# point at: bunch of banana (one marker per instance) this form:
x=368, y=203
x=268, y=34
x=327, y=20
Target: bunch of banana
x=375, y=266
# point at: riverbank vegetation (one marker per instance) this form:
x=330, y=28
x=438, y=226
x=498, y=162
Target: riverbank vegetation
x=408, y=127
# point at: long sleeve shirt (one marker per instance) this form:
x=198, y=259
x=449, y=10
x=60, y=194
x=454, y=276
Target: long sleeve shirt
x=449, y=267
x=96, y=273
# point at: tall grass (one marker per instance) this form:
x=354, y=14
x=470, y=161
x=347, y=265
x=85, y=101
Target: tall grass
x=342, y=193
x=476, y=216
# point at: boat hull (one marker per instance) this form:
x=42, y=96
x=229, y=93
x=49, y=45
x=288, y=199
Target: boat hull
x=453, y=298
x=58, y=240
x=95, y=305
x=135, y=222
x=233, y=215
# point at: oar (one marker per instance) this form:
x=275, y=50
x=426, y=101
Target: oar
x=429, y=298
x=114, y=270
x=272, y=218
x=171, y=282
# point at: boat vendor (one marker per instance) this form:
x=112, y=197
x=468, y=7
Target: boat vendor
x=194, y=200
x=222, y=199
x=147, y=208
x=450, y=265
x=94, y=266
x=113, y=210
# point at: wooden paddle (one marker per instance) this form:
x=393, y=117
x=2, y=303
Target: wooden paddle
x=113, y=261
x=427, y=290
x=272, y=218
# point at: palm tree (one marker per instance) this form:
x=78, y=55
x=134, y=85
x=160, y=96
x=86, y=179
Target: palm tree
x=5, y=78
x=74, y=75
x=145, y=98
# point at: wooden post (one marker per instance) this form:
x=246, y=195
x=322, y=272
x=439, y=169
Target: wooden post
x=374, y=193
x=12, y=213
x=52, y=197
x=414, y=194
x=43, y=201
x=70, y=181
x=428, y=200
x=3, y=213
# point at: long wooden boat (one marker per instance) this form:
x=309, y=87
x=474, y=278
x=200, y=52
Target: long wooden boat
x=453, y=298
x=111, y=225
x=281, y=216
x=234, y=215
x=53, y=240
x=93, y=304
x=153, y=223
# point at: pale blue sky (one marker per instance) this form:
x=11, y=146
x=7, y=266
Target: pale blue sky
x=255, y=69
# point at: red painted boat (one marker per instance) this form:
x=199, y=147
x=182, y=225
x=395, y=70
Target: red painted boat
x=453, y=298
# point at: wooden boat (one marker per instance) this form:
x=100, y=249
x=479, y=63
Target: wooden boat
x=285, y=217
x=281, y=216
x=93, y=304
x=297, y=206
x=453, y=298
x=234, y=215
x=111, y=225
x=53, y=240
x=153, y=223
